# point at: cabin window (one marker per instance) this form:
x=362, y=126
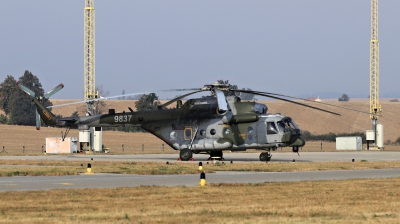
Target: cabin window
x=271, y=128
x=250, y=133
x=202, y=132
x=188, y=133
x=213, y=131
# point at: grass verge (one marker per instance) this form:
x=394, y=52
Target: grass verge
x=59, y=168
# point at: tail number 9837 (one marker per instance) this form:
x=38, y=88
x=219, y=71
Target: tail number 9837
x=122, y=118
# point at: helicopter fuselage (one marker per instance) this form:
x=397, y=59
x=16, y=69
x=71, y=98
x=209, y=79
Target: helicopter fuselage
x=196, y=126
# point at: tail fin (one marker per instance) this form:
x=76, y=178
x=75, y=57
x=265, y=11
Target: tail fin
x=47, y=117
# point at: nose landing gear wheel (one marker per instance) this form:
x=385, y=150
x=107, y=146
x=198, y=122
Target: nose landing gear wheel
x=265, y=156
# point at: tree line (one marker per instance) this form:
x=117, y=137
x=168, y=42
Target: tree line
x=16, y=104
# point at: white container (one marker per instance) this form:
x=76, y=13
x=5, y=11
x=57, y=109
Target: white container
x=379, y=136
x=370, y=135
x=349, y=143
x=57, y=145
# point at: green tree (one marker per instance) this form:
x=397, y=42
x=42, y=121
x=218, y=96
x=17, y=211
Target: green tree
x=7, y=91
x=22, y=111
x=344, y=98
x=75, y=114
x=99, y=107
x=3, y=119
x=147, y=102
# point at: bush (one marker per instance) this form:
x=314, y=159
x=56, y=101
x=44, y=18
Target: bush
x=344, y=97
x=3, y=119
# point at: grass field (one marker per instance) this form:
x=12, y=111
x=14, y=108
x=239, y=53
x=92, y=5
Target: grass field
x=342, y=201
x=345, y=201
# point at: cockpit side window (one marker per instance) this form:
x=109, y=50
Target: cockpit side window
x=281, y=126
x=292, y=124
x=271, y=128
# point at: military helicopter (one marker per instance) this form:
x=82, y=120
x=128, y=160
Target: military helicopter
x=207, y=125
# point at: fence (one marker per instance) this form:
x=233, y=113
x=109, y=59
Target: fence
x=135, y=148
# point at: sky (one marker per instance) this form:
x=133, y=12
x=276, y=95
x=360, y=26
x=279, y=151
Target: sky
x=300, y=48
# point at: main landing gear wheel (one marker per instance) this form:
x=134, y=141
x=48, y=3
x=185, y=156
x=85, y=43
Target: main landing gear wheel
x=265, y=156
x=185, y=154
x=218, y=155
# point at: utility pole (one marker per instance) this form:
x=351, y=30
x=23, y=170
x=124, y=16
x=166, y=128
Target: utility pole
x=89, y=55
x=93, y=136
x=375, y=107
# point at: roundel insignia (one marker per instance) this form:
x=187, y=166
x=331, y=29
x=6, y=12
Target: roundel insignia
x=173, y=135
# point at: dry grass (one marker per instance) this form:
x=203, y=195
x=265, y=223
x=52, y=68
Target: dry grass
x=14, y=138
x=59, y=168
x=345, y=201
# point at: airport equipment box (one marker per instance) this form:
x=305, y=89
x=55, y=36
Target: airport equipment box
x=349, y=143
x=57, y=145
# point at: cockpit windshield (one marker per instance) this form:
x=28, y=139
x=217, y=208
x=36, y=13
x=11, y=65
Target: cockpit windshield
x=287, y=125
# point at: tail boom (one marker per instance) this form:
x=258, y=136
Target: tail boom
x=48, y=118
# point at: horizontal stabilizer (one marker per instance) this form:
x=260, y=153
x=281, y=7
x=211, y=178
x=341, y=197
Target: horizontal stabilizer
x=69, y=119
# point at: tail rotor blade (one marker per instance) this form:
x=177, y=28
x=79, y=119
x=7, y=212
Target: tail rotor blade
x=53, y=91
x=25, y=89
x=38, y=121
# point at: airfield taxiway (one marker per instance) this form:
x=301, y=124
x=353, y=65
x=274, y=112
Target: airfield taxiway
x=99, y=180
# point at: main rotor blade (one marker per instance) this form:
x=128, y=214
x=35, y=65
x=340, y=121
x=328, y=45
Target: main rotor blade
x=180, y=97
x=298, y=98
x=290, y=101
x=130, y=94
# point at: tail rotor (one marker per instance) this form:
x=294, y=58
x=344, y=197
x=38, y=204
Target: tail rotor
x=46, y=95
